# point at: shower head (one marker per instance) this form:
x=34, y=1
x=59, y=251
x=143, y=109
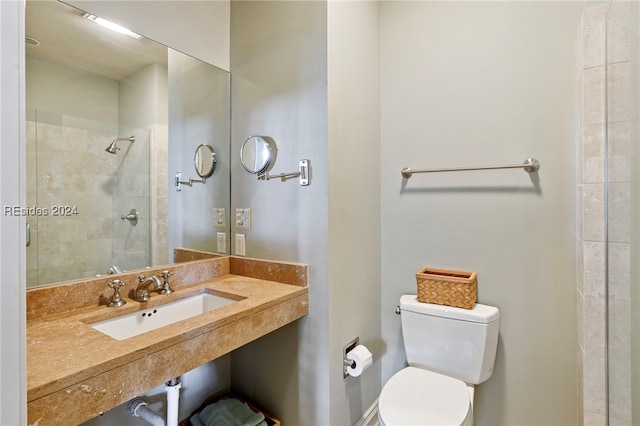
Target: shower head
x=112, y=148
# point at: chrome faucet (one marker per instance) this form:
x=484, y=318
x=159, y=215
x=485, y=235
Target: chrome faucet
x=142, y=291
x=113, y=269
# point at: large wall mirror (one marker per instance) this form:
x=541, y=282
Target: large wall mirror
x=110, y=120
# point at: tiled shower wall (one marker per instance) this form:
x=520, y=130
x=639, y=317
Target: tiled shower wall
x=159, y=194
x=604, y=199
x=69, y=167
x=72, y=170
x=131, y=245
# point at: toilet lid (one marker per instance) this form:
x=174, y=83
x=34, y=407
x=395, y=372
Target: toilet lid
x=415, y=396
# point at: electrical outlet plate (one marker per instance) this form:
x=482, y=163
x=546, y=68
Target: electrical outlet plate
x=240, y=245
x=243, y=218
x=222, y=242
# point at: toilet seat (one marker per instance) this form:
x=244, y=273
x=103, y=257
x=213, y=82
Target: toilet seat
x=414, y=396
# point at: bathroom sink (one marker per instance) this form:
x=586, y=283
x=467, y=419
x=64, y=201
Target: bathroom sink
x=139, y=322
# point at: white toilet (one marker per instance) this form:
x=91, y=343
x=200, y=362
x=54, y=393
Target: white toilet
x=449, y=350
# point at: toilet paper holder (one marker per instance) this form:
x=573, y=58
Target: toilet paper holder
x=346, y=362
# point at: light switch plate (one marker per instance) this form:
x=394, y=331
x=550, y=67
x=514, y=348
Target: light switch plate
x=243, y=218
x=219, y=217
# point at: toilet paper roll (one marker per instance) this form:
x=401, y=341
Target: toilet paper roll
x=362, y=358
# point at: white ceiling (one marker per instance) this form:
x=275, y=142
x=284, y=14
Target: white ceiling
x=68, y=39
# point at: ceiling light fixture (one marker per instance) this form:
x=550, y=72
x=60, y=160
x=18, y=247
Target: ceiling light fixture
x=113, y=27
x=30, y=41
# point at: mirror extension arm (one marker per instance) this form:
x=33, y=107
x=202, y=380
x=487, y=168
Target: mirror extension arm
x=190, y=182
x=303, y=173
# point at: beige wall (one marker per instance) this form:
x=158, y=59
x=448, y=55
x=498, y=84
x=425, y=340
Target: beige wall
x=473, y=81
x=56, y=88
x=199, y=107
x=279, y=77
x=480, y=83
x=353, y=62
x=300, y=62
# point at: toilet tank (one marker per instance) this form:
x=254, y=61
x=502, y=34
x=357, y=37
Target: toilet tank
x=460, y=343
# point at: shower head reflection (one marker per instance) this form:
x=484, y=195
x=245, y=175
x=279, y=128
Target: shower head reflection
x=113, y=148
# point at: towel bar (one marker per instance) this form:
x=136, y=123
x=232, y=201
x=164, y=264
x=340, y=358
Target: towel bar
x=530, y=165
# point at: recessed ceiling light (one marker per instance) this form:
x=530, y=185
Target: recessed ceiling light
x=30, y=41
x=112, y=26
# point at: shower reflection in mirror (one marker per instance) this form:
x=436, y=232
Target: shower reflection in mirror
x=101, y=170
x=98, y=138
x=113, y=147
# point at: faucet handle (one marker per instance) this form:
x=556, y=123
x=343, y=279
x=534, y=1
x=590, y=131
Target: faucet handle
x=116, y=284
x=166, y=289
x=116, y=300
x=166, y=274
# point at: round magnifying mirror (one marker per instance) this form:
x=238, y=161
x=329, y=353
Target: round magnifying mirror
x=256, y=154
x=204, y=161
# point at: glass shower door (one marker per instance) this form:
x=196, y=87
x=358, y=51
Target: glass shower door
x=622, y=214
x=79, y=196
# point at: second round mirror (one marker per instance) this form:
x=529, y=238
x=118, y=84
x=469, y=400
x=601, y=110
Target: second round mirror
x=205, y=161
x=256, y=154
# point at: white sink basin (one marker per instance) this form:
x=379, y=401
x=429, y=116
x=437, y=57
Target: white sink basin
x=130, y=325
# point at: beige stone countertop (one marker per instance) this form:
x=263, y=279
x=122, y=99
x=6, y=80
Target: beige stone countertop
x=66, y=357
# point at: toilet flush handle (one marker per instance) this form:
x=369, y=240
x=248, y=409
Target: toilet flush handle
x=398, y=310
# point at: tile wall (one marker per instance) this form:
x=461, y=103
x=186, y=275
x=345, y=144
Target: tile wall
x=159, y=194
x=72, y=169
x=604, y=220
x=131, y=245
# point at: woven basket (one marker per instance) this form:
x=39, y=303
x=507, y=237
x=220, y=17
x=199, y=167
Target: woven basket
x=447, y=287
